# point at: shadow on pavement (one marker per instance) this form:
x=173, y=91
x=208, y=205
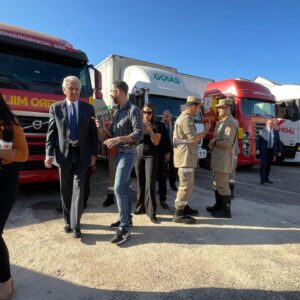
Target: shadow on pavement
x=31, y=285
x=195, y=235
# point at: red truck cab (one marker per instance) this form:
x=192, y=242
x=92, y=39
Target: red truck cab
x=32, y=68
x=253, y=105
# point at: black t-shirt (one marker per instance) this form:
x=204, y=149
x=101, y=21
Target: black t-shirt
x=145, y=146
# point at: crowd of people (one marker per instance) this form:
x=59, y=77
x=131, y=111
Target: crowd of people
x=134, y=139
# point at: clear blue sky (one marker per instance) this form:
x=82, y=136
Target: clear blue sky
x=216, y=39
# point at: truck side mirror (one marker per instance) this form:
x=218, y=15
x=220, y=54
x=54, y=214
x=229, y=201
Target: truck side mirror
x=97, y=82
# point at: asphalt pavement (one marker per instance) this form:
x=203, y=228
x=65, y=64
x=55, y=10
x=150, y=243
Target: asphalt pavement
x=254, y=255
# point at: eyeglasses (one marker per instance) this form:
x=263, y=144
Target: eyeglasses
x=222, y=107
x=147, y=112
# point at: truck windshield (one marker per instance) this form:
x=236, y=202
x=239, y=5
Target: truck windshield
x=288, y=109
x=41, y=73
x=256, y=107
x=174, y=105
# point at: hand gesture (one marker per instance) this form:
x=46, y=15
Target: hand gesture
x=112, y=142
x=98, y=123
x=147, y=127
x=48, y=162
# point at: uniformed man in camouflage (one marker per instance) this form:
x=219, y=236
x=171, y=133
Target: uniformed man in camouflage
x=185, y=140
x=222, y=159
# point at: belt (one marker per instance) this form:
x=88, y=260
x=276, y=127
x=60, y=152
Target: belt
x=73, y=145
x=121, y=150
x=185, y=141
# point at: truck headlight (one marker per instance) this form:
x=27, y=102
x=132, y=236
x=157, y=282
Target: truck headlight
x=246, y=135
x=246, y=148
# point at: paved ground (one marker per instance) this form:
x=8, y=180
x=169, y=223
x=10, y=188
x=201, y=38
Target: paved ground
x=256, y=255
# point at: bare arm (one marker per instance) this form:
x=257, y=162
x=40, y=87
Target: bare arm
x=19, y=152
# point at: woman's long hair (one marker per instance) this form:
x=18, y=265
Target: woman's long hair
x=151, y=106
x=6, y=115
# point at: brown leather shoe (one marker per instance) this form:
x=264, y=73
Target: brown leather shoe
x=6, y=289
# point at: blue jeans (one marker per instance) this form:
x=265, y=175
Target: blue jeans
x=124, y=162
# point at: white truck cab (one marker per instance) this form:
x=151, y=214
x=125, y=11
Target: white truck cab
x=288, y=116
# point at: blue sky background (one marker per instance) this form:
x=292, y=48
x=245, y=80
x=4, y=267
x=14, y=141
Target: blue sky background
x=216, y=39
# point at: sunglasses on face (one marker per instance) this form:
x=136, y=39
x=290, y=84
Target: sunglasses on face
x=147, y=112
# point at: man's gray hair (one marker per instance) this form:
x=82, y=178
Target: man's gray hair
x=167, y=112
x=70, y=79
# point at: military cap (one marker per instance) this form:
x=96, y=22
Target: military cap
x=224, y=102
x=192, y=99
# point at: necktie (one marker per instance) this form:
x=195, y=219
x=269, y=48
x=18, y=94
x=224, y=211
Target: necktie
x=73, y=124
x=270, y=139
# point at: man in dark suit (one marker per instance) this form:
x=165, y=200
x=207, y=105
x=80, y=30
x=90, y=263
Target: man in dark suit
x=164, y=149
x=72, y=145
x=172, y=171
x=267, y=147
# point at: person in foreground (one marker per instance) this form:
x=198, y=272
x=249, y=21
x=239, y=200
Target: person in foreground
x=267, y=147
x=13, y=148
x=125, y=132
x=185, y=140
x=72, y=145
x=222, y=158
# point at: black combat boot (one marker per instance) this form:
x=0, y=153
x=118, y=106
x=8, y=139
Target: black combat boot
x=181, y=217
x=217, y=205
x=231, y=186
x=110, y=200
x=189, y=211
x=225, y=211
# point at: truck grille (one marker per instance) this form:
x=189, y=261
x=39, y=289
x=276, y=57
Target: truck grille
x=33, y=124
x=258, y=128
x=37, y=149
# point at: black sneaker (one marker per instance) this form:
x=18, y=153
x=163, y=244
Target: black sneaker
x=189, y=211
x=122, y=235
x=164, y=205
x=117, y=224
x=110, y=200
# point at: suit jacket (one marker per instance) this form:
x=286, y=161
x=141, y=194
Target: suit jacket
x=58, y=136
x=164, y=145
x=262, y=142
